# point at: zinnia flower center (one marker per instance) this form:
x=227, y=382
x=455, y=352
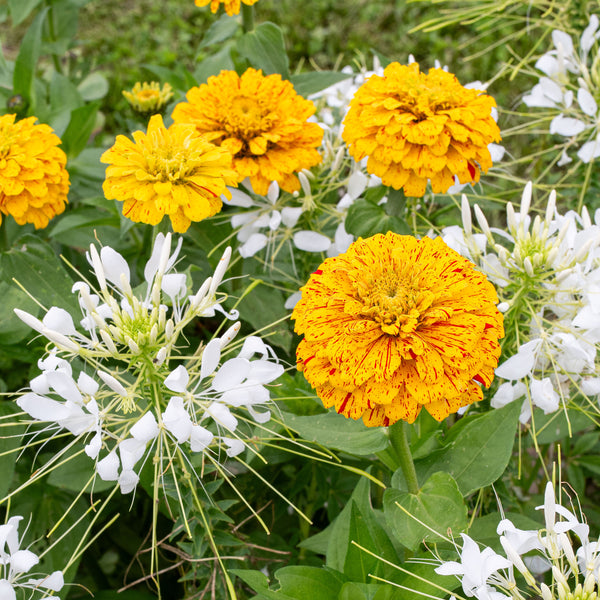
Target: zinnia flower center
x=394, y=301
x=247, y=118
x=144, y=95
x=168, y=163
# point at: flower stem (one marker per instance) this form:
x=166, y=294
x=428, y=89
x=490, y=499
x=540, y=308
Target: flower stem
x=247, y=18
x=399, y=442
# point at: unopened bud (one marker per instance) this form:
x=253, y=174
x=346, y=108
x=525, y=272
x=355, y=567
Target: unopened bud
x=230, y=334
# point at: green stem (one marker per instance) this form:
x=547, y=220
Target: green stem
x=399, y=442
x=247, y=18
x=4, y=245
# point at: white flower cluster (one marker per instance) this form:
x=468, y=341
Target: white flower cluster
x=146, y=404
x=14, y=563
x=569, y=86
x=487, y=575
x=551, y=267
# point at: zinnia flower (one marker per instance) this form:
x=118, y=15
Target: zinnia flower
x=261, y=121
x=415, y=127
x=149, y=98
x=34, y=182
x=396, y=324
x=173, y=172
x=232, y=7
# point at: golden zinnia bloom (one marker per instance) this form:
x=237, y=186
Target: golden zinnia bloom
x=261, y=121
x=396, y=324
x=415, y=127
x=149, y=98
x=173, y=172
x=34, y=182
x=232, y=7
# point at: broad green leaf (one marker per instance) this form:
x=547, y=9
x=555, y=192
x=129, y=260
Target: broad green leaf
x=261, y=307
x=437, y=507
x=47, y=505
x=366, y=219
x=82, y=218
x=315, y=583
x=21, y=9
x=420, y=583
x=13, y=330
x=367, y=591
x=265, y=49
x=358, y=522
x=25, y=64
x=556, y=426
x=77, y=134
x=34, y=265
x=306, y=84
x=10, y=439
x=478, y=455
x=63, y=93
x=93, y=87
x=295, y=583
x=336, y=431
x=340, y=528
x=358, y=563
x=222, y=29
x=75, y=474
x=214, y=64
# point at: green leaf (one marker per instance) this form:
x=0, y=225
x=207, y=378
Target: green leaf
x=214, y=64
x=336, y=431
x=296, y=583
x=78, y=132
x=306, y=84
x=10, y=439
x=93, y=87
x=13, y=329
x=21, y=9
x=358, y=563
x=265, y=49
x=340, y=528
x=263, y=306
x=366, y=591
x=555, y=426
x=420, y=582
x=82, y=218
x=315, y=583
x=25, y=64
x=75, y=474
x=222, y=29
x=478, y=455
x=63, y=93
x=34, y=265
x=47, y=505
x=437, y=507
x=366, y=219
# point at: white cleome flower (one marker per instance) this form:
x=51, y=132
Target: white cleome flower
x=14, y=563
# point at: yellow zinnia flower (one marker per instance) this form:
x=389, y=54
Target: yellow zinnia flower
x=261, y=121
x=34, y=182
x=232, y=7
x=396, y=324
x=173, y=172
x=415, y=127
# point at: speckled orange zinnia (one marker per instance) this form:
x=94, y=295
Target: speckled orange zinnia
x=232, y=7
x=397, y=324
x=261, y=120
x=174, y=172
x=416, y=127
x=34, y=181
